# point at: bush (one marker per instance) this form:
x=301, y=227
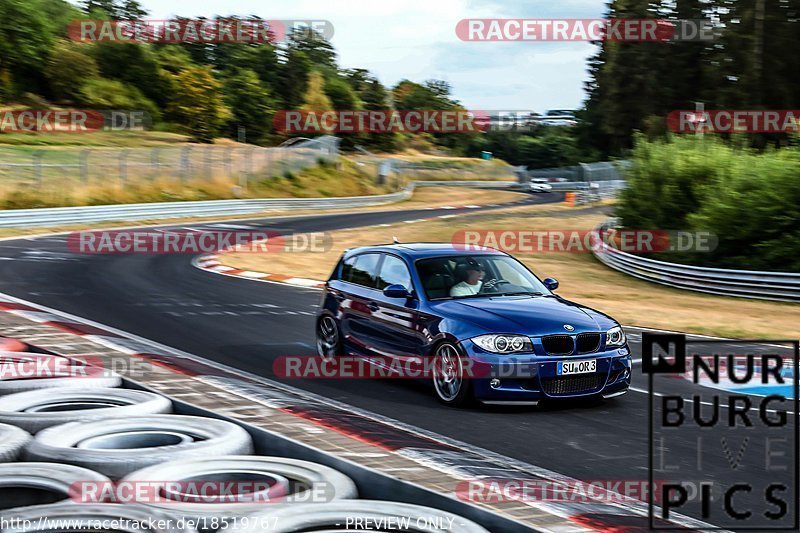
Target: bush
x=749, y=200
x=101, y=93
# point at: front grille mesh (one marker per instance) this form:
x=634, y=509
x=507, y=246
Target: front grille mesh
x=587, y=342
x=558, y=344
x=571, y=384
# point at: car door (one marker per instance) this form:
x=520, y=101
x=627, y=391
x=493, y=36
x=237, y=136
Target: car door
x=358, y=293
x=397, y=319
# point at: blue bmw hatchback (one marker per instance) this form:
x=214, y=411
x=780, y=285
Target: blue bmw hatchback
x=491, y=329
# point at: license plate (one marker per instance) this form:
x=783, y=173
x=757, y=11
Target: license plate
x=577, y=367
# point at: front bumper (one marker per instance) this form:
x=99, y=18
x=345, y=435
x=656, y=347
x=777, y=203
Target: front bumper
x=529, y=378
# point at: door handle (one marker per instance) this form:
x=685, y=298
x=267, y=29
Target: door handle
x=373, y=306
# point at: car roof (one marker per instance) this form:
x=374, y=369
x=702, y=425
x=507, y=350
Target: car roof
x=423, y=250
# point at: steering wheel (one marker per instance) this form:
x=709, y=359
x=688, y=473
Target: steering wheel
x=492, y=285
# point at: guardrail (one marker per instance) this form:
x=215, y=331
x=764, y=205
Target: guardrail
x=54, y=216
x=780, y=286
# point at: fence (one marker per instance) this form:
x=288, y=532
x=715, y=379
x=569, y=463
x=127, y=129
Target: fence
x=781, y=286
x=23, y=166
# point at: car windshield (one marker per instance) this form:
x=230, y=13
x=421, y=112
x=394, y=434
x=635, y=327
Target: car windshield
x=474, y=276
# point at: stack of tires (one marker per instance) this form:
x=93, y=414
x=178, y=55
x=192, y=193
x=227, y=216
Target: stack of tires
x=77, y=452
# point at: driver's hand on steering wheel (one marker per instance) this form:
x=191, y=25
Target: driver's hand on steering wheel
x=489, y=284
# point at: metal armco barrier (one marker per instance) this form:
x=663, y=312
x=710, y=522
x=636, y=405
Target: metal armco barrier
x=780, y=286
x=27, y=218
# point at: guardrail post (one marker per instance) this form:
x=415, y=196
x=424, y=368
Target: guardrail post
x=84, y=161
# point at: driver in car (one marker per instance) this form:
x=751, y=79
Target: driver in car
x=473, y=282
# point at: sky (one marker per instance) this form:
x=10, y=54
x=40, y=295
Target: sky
x=416, y=39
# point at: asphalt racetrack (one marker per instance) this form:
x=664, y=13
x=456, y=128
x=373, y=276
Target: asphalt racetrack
x=247, y=324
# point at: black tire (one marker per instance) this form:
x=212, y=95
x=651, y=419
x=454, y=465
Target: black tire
x=450, y=382
x=36, y=410
x=294, y=481
x=25, y=484
x=117, y=447
x=329, y=338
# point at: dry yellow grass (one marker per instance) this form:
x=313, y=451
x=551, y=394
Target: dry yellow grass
x=423, y=197
x=582, y=278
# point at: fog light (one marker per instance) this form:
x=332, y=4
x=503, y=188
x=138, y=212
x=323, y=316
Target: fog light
x=626, y=373
x=495, y=383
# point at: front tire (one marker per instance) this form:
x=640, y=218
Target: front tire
x=329, y=340
x=452, y=387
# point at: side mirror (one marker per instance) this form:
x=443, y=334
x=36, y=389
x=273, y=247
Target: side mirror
x=551, y=283
x=396, y=291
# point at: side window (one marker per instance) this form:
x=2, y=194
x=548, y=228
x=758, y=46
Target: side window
x=347, y=268
x=394, y=272
x=365, y=270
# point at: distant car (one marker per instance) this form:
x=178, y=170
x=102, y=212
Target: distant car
x=486, y=325
x=539, y=185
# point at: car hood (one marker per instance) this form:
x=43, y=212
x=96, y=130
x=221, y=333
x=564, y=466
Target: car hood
x=533, y=316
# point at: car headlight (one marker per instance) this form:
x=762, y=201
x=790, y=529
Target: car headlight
x=504, y=343
x=615, y=337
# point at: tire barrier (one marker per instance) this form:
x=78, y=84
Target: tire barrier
x=36, y=410
x=348, y=515
x=22, y=372
x=118, y=447
x=26, y=484
x=12, y=441
x=68, y=518
x=256, y=482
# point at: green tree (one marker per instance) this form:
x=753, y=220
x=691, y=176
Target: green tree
x=26, y=37
x=68, y=69
x=134, y=64
x=250, y=103
x=341, y=94
x=315, y=99
x=197, y=103
x=293, y=78
x=316, y=48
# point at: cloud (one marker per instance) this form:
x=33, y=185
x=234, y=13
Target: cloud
x=416, y=39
